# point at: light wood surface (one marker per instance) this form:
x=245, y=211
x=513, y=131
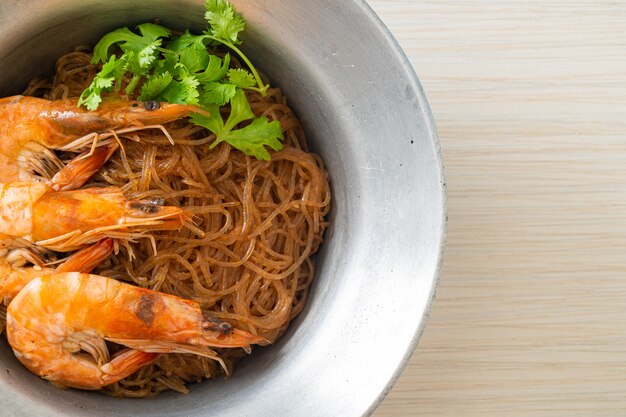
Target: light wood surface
x=530, y=103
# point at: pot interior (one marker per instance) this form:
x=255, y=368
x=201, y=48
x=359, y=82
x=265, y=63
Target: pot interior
x=365, y=114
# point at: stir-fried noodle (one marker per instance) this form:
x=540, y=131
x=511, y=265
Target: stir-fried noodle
x=247, y=256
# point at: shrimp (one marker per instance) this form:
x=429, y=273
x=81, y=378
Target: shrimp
x=31, y=127
x=13, y=279
x=56, y=317
x=33, y=213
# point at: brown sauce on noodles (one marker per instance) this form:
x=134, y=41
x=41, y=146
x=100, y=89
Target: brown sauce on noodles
x=247, y=258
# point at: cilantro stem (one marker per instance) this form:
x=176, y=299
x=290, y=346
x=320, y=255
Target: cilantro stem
x=262, y=87
x=132, y=84
x=263, y=90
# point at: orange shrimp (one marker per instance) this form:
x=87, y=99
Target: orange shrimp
x=69, y=220
x=14, y=278
x=55, y=317
x=32, y=127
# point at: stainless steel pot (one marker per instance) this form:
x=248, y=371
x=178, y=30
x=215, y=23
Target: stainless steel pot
x=367, y=115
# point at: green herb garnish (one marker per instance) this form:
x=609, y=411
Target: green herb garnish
x=251, y=139
x=225, y=26
x=181, y=70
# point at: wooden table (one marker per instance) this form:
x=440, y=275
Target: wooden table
x=530, y=102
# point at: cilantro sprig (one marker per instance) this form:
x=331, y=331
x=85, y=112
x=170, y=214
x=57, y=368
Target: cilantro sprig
x=225, y=26
x=250, y=139
x=140, y=51
x=180, y=69
x=111, y=73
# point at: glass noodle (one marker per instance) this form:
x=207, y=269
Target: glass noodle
x=247, y=256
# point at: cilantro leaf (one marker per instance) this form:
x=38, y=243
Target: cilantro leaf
x=184, y=91
x=111, y=72
x=129, y=41
x=239, y=110
x=147, y=55
x=140, y=63
x=213, y=122
x=152, y=88
x=186, y=40
x=215, y=70
x=101, y=50
x=169, y=63
x=253, y=138
x=191, y=51
x=194, y=58
x=241, y=78
x=217, y=93
x=90, y=98
x=150, y=32
x=225, y=22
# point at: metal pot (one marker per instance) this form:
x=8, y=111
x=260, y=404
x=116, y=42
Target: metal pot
x=367, y=115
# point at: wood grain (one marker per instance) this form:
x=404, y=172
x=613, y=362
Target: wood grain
x=530, y=102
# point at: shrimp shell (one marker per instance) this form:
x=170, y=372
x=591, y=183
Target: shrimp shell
x=31, y=127
x=56, y=318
